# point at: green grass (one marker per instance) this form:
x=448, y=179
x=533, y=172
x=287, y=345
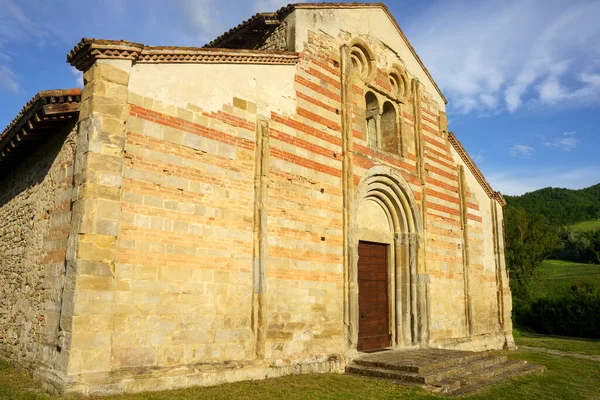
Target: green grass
x=566, y=378
x=572, y=345
x=586, y=225
x=557, y=274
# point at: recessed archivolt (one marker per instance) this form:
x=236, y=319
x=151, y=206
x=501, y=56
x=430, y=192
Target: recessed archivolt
x=391, y=190
x=363, y=60
x=399, y=82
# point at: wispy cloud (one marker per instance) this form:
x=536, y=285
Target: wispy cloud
x=517, y=182
x=16, y=25
x=202, y=17
x=521, y=150
x=478, y=157
x=78, y=76
x=566, y=142
x=8, y=80
x=493, y=55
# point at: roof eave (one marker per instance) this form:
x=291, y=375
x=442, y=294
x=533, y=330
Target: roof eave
x=45, y=114
x=475, y=170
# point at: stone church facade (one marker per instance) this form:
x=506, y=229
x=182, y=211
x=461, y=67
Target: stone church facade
x=273, y=203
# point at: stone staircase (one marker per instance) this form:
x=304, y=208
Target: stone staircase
x=442, y=371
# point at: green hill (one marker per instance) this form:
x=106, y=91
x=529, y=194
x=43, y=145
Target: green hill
x=561, y=206
x=586, y=225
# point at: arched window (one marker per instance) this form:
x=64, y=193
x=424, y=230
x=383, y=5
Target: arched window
x=372, y=116
x=389, y=129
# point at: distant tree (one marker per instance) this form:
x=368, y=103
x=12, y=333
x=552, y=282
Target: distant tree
x=593, y=241
x=529, y=240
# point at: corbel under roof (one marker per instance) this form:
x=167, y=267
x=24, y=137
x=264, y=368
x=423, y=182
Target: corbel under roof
x=43, y=116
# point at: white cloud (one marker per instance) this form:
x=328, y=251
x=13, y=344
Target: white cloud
x=202, y=18
x=517, y=182
x=78, y=76
x=566, y=142
x=521, y=150
x=8, y=80
x=509, y=54
x=478, y=157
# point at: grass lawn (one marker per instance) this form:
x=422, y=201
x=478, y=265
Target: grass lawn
x=566, y=378
x=557, y=274
x=571, y=345
x=586, y=225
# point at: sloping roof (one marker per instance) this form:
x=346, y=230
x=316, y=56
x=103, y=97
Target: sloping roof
x=44, y=115
x=263, y=21
x=474, y=170
x=280, y=14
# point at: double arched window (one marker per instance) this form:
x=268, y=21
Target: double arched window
x=381, y=125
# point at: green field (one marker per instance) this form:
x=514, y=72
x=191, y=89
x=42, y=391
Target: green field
x=556, y=274
x=566, y=378
x=590, y=347
x=586, y=225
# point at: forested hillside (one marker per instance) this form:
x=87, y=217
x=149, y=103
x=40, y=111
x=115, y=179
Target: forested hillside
x=540, y=225
x=560, y=206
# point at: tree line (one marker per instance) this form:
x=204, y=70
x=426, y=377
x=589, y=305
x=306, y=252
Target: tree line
x=536, y=228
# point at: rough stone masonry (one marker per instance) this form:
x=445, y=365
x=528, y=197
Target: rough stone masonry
x=194, y=215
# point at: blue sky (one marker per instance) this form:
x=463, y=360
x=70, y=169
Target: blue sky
x=522, y=77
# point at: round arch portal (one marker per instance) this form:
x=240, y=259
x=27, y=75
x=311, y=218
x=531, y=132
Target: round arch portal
x=387, y=213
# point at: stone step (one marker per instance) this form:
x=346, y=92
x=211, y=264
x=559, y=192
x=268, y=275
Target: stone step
x=524, y=369
x=470, y=378
x=420, y=368
x=428, y=378
x=442, y=371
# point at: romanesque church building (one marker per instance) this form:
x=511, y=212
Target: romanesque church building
x=279, y=201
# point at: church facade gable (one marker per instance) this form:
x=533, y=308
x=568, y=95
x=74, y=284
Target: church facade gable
x=274, y=206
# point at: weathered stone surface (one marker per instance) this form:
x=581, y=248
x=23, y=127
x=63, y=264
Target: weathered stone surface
x=442, y=371
x=35, y=200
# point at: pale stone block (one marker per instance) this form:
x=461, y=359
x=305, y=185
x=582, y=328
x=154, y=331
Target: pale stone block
x=134, y=356
x=84, y=339
x=94, y=282
x=108, y=209
x=185, y=114
x=191, y=337
x=110, y=73
x=199, y=143
x=110, y=179
x=86, y=361
x=171, y=355
x=222, y=277
x=134, y=98
x=226, y=151
x=136, y=125
x=94, y=191
x=97, y=247
x=105, y=163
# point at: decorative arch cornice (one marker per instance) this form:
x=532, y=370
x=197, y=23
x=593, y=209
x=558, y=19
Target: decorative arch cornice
x=88, y=51
x=474, y=170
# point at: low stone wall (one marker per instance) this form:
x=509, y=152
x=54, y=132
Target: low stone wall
x=35, y=202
